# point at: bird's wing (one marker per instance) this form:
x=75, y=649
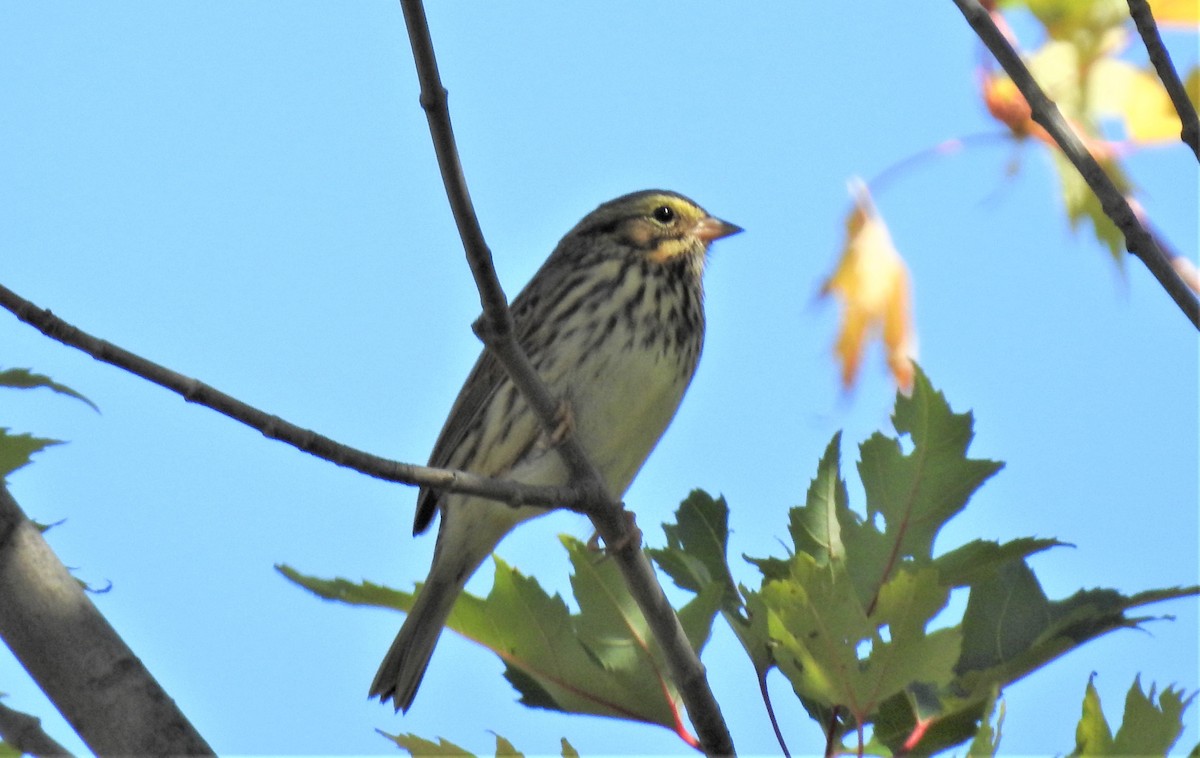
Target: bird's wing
x=487, y=384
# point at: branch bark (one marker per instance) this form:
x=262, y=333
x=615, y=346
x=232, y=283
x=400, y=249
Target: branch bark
x=1138, y=240
x=1143, y=19
x=25, y=733
x=79, y=661
x=273, y=427
x=495, y=329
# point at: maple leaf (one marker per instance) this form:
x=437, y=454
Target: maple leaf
x=872, y=282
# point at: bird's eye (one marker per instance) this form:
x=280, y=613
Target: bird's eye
x=664, y=214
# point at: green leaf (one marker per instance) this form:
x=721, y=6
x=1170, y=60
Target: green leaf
x=837, y=654
x=568, y=751
x=979, y=559
x=1149, y=727
x=351, y=593
x=919, y=492
x=23, y=378
x=987, y=739
x=695, y=555
x=505, y=749
x=1081, y=204
x=1011, y=628
x=816, y=528
x=419, y=746
x=601, y=661
x=907, y=603
x=1092, y=735
x=16, y=450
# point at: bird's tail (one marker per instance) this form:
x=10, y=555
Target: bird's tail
x=404, y=665
x=468, y=534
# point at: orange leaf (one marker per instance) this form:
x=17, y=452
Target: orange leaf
x=1008, y=106
x=872, y=283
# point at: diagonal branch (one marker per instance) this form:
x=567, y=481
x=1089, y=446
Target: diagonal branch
x=101, y=688
x=275, y=428
x=1139, y=10
x=1138, y=240
x=25, y=733
x=496, y=331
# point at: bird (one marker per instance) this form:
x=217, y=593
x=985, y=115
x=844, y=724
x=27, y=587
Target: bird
x=613, y=323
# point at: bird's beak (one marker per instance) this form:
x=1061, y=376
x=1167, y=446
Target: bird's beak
x=708, y=229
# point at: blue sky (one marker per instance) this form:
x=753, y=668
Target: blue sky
x=246, y=193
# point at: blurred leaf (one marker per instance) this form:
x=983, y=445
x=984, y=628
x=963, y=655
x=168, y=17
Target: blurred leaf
x=1071, y=18
x=16, y=450
x=1008, y=106
x=505, y=749
x=23, y=378
x=419, y=746
x=872, y=283
x=1137, y=98
x=1147, y=728
x=351, y=593
x=1176, y=12
x=1150, y=727
x=1187, y=272
x=1092, y=735
x=1082, y=204
x=1079, y=69
x=987, y=739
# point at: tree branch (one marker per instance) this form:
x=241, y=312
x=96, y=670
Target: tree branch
x=273, y=427
x=495, y=329
x=25, y=733
x=1139, y=10
x=79, y=661
x=1137, y=239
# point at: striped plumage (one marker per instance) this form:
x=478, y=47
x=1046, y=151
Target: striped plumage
x=613, y=322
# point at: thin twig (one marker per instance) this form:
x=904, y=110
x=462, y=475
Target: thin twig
x=25, y=733
x=1139, y=10
x=273, y=427
x=1139, y=242
x=495, y=329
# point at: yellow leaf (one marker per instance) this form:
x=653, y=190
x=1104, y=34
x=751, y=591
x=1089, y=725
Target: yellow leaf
x=872, y=283
x=1149, y=114
x=1176, y=12
x=1137, y=97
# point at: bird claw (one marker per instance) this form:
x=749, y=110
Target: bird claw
x=632, y=536
x=564, y=425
